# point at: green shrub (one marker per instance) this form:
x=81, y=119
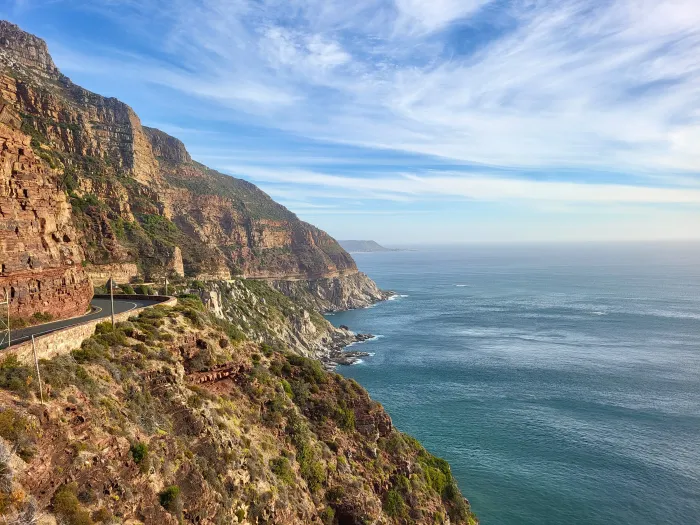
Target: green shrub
x=63, y=371
x=394, y=505
x=127, y=327
x=301, y=392
x=335, y=494
x=90, y=350
x=127, y=289
x=266, y=350
x=139, y=451
x=19, y=322
x=328, y=516
x=282, y=469
x=274, y=410
x=437, y=474
x=19, y=431
x=345, y=417
x=310, y=369
x=42, y=317
x=170, y=499
x=143, y=289
x=287, y=388
x=159, y=227
x=103, y=515
x=15, y=376
x=7, y=472
x=67, y=506
x=195, y=317
x=190, y=301
x=115, y=338
x=81, y=204
x=311, y=469
x=104, y=327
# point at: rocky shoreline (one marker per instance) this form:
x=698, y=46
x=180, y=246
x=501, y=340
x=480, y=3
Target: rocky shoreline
x=337, y=355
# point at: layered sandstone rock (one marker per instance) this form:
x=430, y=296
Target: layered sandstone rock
x=166, y=147
x=40, y=259
x=120, y=272
x=25, y=49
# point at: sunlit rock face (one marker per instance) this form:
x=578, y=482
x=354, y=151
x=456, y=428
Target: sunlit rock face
x=41, y=261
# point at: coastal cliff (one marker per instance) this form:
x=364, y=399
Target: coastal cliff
x=330, y=294
x=139, y=202
x=267, y=316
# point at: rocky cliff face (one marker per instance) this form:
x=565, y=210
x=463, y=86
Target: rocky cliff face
x=330, y=294
x=267, y=316
x=138, y=198
x=40, y=259
x=25, y=50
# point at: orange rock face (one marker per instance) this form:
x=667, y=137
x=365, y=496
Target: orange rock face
x=41, y=261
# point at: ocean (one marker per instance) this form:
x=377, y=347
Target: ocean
x=561, y=382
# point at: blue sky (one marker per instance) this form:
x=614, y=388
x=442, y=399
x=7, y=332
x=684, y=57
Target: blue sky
x=414, y=120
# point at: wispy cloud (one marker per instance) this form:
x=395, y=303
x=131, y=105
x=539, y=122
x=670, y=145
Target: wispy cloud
x=476, y=186
x=556, y=83
x=418, y=16
x=557, y=87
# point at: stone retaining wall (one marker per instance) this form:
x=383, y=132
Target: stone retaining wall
x=63, y=341
x=120, y=272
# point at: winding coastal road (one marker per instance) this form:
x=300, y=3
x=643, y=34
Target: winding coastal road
x=100, y=310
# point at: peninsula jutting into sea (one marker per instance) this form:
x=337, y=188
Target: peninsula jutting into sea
x=364, y=247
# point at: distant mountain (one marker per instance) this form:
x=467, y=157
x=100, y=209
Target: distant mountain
x=364, y=246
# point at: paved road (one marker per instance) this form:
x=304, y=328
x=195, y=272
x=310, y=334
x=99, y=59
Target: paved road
x=100, y=310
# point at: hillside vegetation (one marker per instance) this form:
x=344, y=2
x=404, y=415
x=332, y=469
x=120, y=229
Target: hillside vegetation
x=176, y=417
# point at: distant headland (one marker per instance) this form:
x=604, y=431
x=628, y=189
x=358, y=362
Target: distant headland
x=365, y=247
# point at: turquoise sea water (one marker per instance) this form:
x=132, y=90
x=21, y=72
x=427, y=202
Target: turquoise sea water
x=562, y=383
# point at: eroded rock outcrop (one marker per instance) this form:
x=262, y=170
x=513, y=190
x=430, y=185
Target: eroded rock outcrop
x=334, y=293
x=266, y=316
x=26, y=50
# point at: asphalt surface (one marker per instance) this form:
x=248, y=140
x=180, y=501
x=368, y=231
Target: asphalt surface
x=100, y=310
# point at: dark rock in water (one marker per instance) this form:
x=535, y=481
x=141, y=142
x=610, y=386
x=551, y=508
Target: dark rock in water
x=344, y=327
x=348, y=358
x=338, y=356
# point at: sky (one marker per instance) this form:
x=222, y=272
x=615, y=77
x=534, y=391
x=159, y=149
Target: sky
x=412, y=121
